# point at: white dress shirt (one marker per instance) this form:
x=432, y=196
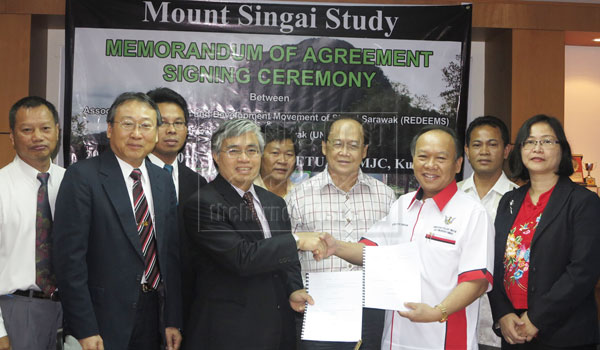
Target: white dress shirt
x=126, y=169
x=18, y=206
x=490, y=201
x=492, y=198
x=175, y=174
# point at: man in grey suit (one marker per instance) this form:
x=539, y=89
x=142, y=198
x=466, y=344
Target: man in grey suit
x=116, y=226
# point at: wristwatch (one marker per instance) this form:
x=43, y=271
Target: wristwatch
x=444, y=311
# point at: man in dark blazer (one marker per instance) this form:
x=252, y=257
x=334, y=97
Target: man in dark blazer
x=115, y=223
x=172, y=136
x=248, y=259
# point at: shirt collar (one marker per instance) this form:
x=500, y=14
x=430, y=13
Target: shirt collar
x=251, y=190
x=127, y=168
x=503, y=184
x=440, y=199
x=362, y=179
x=31, y=172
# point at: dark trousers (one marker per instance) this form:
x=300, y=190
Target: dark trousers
x=536, y=345
x=372, y=331
x=146, y=334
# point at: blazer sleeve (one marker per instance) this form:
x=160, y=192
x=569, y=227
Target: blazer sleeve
x=173, y=316
x=581, y=273
x=499, y=302
x=71, y=230
x=293, y=271
x=215, y=227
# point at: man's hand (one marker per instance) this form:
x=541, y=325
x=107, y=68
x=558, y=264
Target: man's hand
x=527, y=330
x=173, y=337
x=92, y=343
x=420, y=312
x=310, y=241
x=299, y=298
x=331, y=243
x=509, y=326
x=5, y=343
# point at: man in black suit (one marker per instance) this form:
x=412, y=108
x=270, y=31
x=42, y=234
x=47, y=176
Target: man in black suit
x=172, y=135
x=248, y=259
x=115, y=223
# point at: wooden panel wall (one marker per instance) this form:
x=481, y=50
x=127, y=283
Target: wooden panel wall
x=538, y=75
x=15, y=32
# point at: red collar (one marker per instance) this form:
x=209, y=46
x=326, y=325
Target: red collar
x=442, y=198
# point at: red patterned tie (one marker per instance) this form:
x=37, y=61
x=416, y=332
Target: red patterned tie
x=146, y=231
x=44, y=276
x=249, y=199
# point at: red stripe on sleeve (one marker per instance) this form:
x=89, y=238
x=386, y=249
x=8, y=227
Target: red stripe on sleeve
x=456, y=330
x=367, y=242
x=475, y=275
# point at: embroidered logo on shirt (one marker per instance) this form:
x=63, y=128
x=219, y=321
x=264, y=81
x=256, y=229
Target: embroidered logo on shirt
x=448, y=220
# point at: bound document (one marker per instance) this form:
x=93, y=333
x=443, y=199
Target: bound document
x=337, y=312
x=392, y=276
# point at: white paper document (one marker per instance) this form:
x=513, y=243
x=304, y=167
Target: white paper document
x=392, y=276
x=337, y=312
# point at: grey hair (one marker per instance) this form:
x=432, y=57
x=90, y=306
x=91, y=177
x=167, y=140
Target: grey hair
x=235, y=128
x=447, y=130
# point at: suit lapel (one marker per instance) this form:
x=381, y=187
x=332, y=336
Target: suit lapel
x=116, y=190
x=556, y=202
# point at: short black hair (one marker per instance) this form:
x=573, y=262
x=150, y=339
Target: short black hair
x=515, y=161
x=278, y=132
x=365, y=127
x=30, y=102
x=447, y=130
x=488, y=120
x=132, y=96
x=166, y=95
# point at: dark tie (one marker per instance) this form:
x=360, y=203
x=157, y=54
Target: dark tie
x=146, y=231
x=249, y=199
x=44, y=276
x=169, y=168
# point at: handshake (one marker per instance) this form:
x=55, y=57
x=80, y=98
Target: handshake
x=321, y=244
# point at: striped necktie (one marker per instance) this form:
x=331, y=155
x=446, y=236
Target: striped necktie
x=146, y=231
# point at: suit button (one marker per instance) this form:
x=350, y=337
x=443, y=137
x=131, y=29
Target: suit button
x=278, y=307
x=533, y=269
x=532, y=289
x=134, y=306
x=138, y=278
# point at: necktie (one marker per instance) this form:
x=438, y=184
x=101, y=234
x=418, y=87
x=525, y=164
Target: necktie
x=169, y=168
x=44, y=276
x=146, y=231
x=249, y=199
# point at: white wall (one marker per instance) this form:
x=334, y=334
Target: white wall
x=582, y=103
x=476, y=90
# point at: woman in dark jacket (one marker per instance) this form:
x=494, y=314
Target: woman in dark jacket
x=547, y=248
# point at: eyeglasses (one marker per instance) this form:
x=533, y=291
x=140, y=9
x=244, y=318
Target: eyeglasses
x=129, y=125
x=545, y=144
x=339, y=145
x=178, y=125
x=235, y=153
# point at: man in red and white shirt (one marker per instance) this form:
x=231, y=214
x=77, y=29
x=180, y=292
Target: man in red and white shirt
x=455, y=242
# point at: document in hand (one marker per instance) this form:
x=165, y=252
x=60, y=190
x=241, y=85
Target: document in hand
x=392, y=276
x=337, y=312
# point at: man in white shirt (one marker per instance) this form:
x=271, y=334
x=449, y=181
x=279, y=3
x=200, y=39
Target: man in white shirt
x=28, y=188
x=454, y=238
x=487, y=146
x=342, y=201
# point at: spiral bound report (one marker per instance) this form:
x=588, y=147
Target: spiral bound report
x=337, y=312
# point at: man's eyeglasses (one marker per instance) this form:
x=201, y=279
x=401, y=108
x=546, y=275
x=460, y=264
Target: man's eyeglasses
x=235, y=153
x=339, y=145
x=545, y=143
x=178, y=125
x=129, y=125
